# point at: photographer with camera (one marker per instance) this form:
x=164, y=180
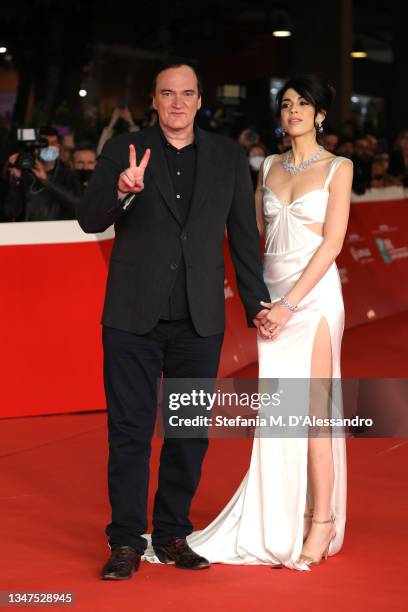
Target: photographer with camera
x=40, y=187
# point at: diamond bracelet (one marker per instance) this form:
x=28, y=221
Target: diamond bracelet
x=285, y=302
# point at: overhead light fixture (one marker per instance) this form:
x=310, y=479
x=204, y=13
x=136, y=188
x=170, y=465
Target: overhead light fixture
x=3, y=49
x=281, y=26
x=83, y=93
x=359, y=54
x=231, y=94
x=359, y=51
x=281, y=33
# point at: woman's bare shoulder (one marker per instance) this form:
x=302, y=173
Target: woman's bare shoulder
x=344, y=162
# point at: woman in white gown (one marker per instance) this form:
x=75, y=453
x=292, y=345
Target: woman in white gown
x=290, y=507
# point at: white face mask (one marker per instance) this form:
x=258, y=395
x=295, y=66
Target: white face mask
x=49, y=154
x=256, y=161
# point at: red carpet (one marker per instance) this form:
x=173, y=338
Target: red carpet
x=54, y=509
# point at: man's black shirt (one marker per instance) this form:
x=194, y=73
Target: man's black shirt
x=182, y=166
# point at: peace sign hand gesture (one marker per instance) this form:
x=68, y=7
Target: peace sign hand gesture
x=131, y=179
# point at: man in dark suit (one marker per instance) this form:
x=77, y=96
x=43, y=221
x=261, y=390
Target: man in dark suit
x=164, y=310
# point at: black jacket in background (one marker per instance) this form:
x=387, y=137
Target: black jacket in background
x=151, y=239
x=31, y=199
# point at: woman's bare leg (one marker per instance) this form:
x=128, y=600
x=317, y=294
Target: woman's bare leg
x=320, y=456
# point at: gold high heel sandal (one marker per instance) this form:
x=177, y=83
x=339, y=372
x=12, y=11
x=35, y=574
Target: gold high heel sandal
x=309, y=560
x=306, y=515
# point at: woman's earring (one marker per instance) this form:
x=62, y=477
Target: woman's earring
x=319, y=127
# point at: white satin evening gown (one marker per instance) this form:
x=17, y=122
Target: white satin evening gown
x=263, y=522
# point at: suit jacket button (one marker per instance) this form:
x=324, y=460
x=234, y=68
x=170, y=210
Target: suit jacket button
x=173, y=266
x=183, y=236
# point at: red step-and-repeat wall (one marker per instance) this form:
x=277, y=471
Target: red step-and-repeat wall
x=52, y=289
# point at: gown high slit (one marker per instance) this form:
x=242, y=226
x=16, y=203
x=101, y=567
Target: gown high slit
x=263, y=522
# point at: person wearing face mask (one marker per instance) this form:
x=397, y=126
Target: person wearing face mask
x=256, y=155
x=47, y=191
x=83, y=162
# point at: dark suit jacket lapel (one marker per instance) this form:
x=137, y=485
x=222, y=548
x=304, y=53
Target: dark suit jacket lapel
x=205, y=170
x=159, y=170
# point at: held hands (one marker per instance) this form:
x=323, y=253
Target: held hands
x=131, y=179
x=259, y=319
x=271, y=319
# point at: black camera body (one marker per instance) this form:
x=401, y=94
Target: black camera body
x=28, y=141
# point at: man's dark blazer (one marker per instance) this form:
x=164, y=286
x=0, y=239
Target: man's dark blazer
x=150, y=239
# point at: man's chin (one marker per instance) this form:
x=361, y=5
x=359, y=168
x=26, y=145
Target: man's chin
x=178, y=123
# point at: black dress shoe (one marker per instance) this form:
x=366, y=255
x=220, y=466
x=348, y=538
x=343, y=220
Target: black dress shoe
x=123, y=562
x=178, y=552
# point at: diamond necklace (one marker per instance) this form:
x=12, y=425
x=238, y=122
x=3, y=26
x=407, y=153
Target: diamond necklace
x=295, y=168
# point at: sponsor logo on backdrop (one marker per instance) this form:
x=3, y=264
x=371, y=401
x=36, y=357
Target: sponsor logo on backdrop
x=389, y=252
x=383, y=227
x=344, y=277
x=399, y=253
x=362, y=255
x=354, y=237
x=382, y=247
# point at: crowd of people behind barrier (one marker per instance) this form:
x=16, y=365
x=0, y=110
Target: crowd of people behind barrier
x=43, y=179
x=376, y=163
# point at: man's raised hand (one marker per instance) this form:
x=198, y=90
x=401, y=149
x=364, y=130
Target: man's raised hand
x=131, y=179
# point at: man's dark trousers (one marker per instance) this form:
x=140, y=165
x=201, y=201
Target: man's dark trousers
x=132, y=368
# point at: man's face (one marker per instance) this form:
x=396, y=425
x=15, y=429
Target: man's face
x=362, y=148
x=256, y=152
x=330, y=142
x=53, y=141
x=373, y=142
x=84, y=160
x=176, y=98
x=346, y=148
x=383, y=161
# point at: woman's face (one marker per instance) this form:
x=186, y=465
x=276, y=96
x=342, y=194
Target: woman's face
x=297, y=115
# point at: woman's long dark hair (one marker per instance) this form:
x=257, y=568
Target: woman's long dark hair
x=313, y=88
